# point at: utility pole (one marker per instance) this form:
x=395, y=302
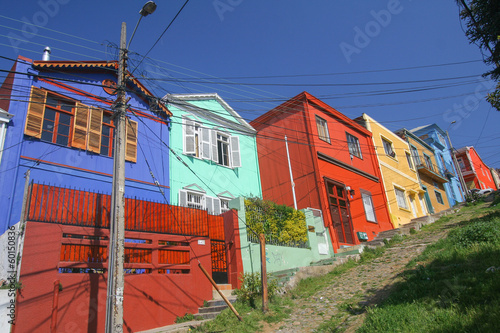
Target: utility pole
x=114, y=299
x=457, y=166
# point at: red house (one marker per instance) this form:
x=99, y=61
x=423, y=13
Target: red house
x=476, y=174
x=311, y=155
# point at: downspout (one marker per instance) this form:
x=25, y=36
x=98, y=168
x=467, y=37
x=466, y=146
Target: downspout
x=291, y=174
x=314, y=155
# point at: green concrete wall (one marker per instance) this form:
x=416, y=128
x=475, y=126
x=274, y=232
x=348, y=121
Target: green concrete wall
x=280, y=258
x=211, y=177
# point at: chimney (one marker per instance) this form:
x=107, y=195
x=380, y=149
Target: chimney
x=46, y=54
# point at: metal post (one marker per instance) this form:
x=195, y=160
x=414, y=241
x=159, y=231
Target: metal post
x=291, y=174
x=114, y=300
x=263, y=271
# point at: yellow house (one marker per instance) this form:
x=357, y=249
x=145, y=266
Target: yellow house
x=405, y=197
x=431, y=181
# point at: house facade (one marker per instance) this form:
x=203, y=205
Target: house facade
x=431, y=180
x=475, y=172
x=62, y=131
x=401, y=180
x=214, y=153
x=312, y=156
x=437, y=139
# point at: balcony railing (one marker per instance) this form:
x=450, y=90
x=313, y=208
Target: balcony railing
x=432, y=171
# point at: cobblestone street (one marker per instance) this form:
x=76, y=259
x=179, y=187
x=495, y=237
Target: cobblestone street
x=361, y=286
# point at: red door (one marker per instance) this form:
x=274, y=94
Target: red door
x=339, y=211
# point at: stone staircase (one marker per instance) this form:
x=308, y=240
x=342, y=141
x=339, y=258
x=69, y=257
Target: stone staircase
x=217, y=304
x=415, y=224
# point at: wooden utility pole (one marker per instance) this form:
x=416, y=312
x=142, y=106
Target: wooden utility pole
x=114, y=300
x=263, y=271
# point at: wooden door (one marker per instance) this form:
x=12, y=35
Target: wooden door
x=339, y=212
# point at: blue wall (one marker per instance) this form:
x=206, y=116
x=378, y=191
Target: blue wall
x=71, y=167
x=430, y=134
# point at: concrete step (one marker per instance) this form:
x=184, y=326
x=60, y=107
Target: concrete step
x=212, y=309
x=225, y=292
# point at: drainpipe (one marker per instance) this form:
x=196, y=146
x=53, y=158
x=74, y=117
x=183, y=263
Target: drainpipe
x=291, y=174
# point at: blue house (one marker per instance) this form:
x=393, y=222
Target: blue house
x=214, y=153
x=59, y=125
x=437, y=139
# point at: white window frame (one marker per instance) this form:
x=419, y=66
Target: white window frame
x=409, y=160
x=203, y=143
x=415, y=156
x=388, y=148
x=353, y=145
x=322, y=126
x=4, y=121
x=401, y=197
x=368, y=205
x=211, y=204
x=439, y=195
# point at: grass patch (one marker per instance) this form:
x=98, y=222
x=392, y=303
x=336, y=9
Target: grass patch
x=279, y=309
x=448, y=288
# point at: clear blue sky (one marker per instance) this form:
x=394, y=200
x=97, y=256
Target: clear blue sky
x=367, y=46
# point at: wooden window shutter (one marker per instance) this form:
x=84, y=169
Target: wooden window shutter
x=235, y=152
x=131, y=149
x=80, y=130
x=189, y=136
x=36, y=111
x=205, y=143
x=95, y=130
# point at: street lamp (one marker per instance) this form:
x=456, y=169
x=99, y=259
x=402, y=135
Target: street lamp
x=115, y=286
x=148, y=8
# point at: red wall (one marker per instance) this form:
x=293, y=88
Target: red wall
x=482, y=171
x=151, y=300
x=296, y=120
x=233, y=248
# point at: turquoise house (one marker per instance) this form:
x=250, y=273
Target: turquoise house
x=213, y=153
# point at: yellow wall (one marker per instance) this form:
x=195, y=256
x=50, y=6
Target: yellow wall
x=431, y=184
x=396, y=173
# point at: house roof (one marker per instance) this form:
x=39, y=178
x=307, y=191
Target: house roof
x=5, y=114
x=404, y=131
x=307, y=97
x=101, y=65
x=184, y=100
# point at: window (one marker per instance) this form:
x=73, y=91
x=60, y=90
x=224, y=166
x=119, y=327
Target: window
x=428, y=162
x=322, y=129
x=461, y=164
x=439, y=197
x=388, y=148
x=415, y=156
x=193, y=196
x=224, y=205
x=408, y=158
x=400, y=197
x=222, y=149
x=210, y=144
x=353, y=144
x=53, y=118
x=107, y=136
x=57, y=120
x=195, y=200
x=368, y=205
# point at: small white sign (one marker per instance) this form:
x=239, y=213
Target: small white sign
x=201, y=242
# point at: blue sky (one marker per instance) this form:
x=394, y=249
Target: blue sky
x=405, y=63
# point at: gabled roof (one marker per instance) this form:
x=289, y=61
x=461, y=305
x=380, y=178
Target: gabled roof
x=405, y=132
x=429, y=126
x=182, y=101
x=308, y=98
x=101, y=66
x=4, y=114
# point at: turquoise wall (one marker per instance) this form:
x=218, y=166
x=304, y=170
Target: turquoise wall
x=211, y=177
x=278, y=258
